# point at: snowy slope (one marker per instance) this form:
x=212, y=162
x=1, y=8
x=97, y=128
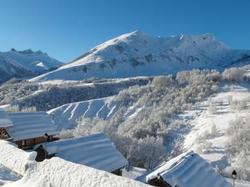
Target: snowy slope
x=212, y=145
x=25, y=63
x=66, y=115
x=138, y=54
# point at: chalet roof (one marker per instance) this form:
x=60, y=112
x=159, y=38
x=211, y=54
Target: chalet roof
x=4, y=120
x=95, y=151
x=31, y=125
x=189, y=170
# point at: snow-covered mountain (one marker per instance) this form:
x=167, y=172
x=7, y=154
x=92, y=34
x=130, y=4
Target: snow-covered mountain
x=138, y=54
x=25, y=63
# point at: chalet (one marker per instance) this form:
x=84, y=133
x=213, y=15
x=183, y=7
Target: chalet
x=186, y=170
x=95, y=151
x=27, y=129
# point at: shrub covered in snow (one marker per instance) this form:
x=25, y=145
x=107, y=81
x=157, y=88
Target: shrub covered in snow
x=48, y=96
x=233, y=74
x=239, y=141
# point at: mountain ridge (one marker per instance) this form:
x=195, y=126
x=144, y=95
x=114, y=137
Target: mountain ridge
x=24, y=63
x=138, y=54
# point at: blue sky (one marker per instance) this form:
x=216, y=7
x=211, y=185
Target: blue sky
x=67, y=28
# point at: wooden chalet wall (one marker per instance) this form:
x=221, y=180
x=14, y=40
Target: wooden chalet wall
x=3, y=133
x=29, y=143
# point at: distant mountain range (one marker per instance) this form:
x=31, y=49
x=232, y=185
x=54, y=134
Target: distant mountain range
x=25, y=63
x=138, y=54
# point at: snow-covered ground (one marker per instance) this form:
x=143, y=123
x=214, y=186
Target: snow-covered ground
x=208, y=130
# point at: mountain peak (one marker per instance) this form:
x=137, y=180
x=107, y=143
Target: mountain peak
x=27, y=52
x=139, y=54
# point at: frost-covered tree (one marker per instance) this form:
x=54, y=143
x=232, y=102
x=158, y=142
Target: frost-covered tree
x=147, y=152
x=16, y=108
x=238, y=105
x=233, y=74
x=65, y=134
x=213, y=130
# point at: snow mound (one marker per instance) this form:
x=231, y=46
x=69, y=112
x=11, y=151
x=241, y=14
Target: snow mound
x=15, y=159
x=58, y=172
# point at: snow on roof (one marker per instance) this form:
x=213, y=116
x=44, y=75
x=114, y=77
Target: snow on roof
x=4, y=119
x=96, y=151
x=58, y=172
x=13, y=158
x=31, y=125
x=55, y=171
x=189, y=170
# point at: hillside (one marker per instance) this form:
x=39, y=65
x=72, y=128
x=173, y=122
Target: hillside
x=170, y=115
x=139, y=54
x=25, y=63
